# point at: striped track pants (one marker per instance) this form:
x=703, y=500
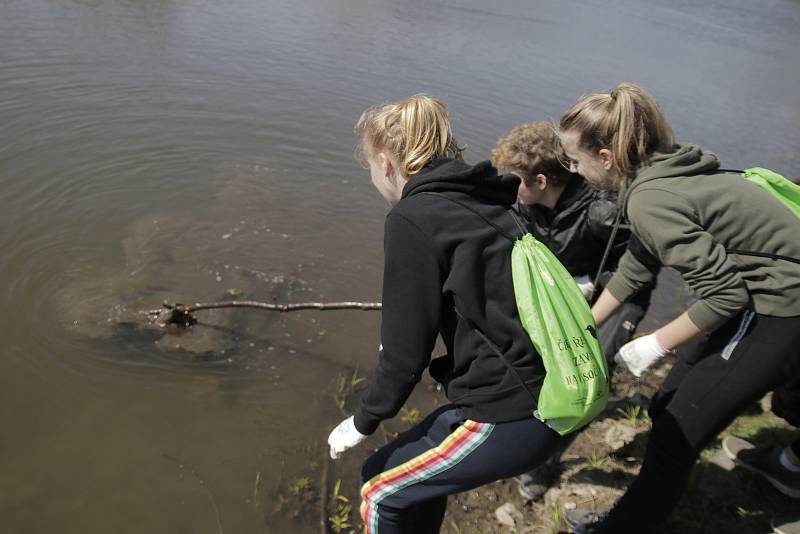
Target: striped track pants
x=406, y=483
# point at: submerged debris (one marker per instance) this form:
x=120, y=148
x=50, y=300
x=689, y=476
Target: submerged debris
x=171, y=314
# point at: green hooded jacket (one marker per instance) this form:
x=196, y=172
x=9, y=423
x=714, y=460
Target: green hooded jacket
x=689, y=216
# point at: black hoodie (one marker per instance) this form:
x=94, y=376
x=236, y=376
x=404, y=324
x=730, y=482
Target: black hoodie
x=440, y=256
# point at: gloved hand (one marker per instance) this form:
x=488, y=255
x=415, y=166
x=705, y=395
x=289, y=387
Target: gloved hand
x=638, y=355
x=586, y=285
x=344, y=436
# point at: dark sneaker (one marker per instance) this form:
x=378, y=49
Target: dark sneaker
x=534, y=484
x=786, y=526
x=766, y=462
x=583, y=521
x=531, y=489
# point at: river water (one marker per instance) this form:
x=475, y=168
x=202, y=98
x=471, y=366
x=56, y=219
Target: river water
x=190, y=150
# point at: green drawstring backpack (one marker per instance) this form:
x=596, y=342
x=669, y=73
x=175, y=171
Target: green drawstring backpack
x=784, y=190
x=557, y=318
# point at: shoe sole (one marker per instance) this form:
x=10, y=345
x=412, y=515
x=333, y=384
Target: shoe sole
x=732, y=446
x=787, y=528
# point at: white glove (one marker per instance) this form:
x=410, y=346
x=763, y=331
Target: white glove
x=586, y=285
x=638, y=355
x=344, y=436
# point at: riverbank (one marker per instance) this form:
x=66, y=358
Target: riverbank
x=604, y=460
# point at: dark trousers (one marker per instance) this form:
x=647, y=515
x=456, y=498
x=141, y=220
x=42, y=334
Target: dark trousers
x=405, y=484
x=619, y=328
x=743, y=360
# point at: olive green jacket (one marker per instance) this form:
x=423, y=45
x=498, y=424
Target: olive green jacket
x=690, y=217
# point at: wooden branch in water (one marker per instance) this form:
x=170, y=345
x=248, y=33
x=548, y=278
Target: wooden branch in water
x=181, y=314
x=279, y=307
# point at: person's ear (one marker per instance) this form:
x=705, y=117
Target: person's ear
x=541, y=181
x=388, y=167
x=606, y=158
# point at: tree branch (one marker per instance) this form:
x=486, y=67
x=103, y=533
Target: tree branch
x=181, y=314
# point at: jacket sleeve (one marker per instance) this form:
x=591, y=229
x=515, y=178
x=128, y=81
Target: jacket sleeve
x=670, y=227
x=412, y=282
x=630, y=277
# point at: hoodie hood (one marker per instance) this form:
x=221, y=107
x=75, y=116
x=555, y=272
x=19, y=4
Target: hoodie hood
x=683, y=160
x=481, y=180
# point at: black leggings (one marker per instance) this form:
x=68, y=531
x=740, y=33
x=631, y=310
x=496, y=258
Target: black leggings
x=786, y=404
x=743, y=360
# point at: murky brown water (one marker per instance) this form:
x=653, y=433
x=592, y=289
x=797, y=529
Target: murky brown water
x=191, y=150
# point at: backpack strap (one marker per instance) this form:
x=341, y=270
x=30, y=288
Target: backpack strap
x=607, y=251
x=474, y=328
x=750, y=252
x=487, y=221
x=762, y=255
x=729, y=250
x=497, y=351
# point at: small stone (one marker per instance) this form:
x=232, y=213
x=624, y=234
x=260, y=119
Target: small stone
x=618, y=435
x=508, y=515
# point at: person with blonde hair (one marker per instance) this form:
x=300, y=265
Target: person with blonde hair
x=736, y=246
x=576, y=222
x=447, y=253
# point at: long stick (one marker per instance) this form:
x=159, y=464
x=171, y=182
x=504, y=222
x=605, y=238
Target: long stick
x=181, y=314
x=278, y=307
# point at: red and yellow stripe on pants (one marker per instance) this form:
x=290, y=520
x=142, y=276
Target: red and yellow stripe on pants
x=457, y=446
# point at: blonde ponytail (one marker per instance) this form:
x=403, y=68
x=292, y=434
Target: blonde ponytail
x=414, y=131
x=627, y=121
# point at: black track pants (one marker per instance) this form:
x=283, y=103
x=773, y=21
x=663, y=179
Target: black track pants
x=743, y=360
